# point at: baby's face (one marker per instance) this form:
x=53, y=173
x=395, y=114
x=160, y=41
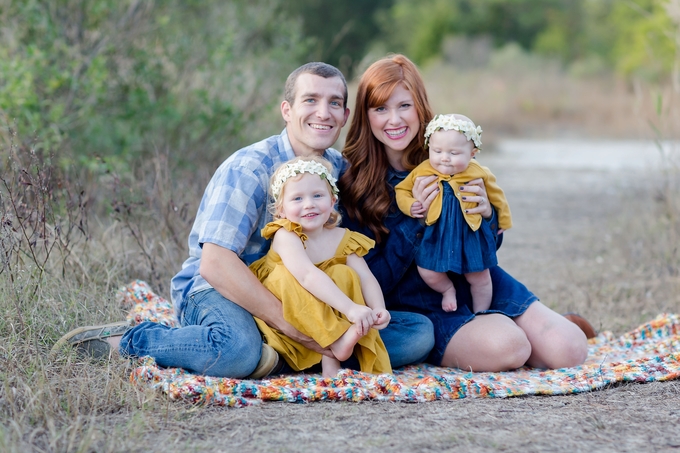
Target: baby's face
x=450, y=152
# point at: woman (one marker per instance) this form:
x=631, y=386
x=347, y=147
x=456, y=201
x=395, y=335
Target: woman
x=385, y=141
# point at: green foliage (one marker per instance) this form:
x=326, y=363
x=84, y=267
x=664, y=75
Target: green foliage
x=419, y=28
x=119, y=79
x=634, y=37
x=341, y=32
x=645, y=43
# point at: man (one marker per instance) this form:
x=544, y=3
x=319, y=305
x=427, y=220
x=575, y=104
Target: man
x=215, y=294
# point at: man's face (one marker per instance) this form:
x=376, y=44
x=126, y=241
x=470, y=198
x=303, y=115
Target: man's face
x=317, y=115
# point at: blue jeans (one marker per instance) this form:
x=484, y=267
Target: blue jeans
x=219, y=338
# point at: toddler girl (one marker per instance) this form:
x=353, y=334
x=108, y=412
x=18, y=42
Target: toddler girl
x=455, y=241
x=317, y=272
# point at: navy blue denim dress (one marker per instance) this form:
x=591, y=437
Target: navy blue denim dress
x=393, y=263
x=450, y=244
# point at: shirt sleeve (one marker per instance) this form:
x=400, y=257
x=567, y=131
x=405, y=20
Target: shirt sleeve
x=230, y=209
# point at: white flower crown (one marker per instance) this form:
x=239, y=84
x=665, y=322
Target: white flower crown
x=451, y=123
x=302, y=166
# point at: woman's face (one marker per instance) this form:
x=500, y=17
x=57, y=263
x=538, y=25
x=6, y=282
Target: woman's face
x=396, y=122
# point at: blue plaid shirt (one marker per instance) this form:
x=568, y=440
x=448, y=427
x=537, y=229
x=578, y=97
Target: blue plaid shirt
x=234, y=209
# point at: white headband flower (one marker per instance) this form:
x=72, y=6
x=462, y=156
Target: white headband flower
x=451, y=123
x=309, y=166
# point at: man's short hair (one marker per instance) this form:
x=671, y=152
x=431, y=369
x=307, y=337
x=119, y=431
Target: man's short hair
x=315, y=68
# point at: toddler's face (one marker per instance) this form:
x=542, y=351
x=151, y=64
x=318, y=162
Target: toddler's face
x=306, y=200
x=450, y=151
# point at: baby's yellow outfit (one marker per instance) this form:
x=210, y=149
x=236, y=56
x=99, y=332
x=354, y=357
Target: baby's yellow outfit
x=404, y=193
x=308, y=314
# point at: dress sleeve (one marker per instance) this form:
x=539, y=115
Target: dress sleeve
x=404, y=194
x=272, y=227
x=358, y=244
x=498, y=200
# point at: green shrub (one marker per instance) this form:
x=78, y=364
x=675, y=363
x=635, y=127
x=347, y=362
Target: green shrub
x=120, y=79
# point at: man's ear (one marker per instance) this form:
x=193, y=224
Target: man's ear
x=346, y=117
x=285, y=111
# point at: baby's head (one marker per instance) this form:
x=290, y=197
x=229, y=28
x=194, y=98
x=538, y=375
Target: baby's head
x=452, y=141
x=289, y=177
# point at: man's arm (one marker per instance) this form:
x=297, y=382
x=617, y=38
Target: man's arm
x=225, y=272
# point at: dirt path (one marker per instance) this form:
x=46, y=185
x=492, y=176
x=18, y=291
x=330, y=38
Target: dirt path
x=563, y=201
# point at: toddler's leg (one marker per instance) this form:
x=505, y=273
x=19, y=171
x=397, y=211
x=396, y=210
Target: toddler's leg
x=481, y=289
x=441, y=283
x=329, y=367
x=343, y=347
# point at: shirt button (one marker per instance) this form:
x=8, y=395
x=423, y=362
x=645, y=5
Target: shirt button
x=419, y=235
x=493, y=225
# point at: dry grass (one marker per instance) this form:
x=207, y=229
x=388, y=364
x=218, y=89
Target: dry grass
x=608, y=251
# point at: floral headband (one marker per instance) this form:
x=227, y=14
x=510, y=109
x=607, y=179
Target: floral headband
x=451, y=123
x=302, y=166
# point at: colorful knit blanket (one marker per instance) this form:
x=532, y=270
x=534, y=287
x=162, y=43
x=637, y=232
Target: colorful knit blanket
x=648, y=353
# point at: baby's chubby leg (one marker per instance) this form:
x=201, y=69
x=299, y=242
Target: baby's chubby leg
x=481, y=289
x=441, y=283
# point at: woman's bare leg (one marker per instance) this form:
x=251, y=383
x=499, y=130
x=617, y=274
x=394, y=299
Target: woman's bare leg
x=481, y=289
x=441, y=283
x=491, y=342
x=555, y=341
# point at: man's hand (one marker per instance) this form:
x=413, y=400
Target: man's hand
x=292, y=333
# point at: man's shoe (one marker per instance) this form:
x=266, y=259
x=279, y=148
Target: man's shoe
x=583, y=324
x=91, y=340
x=269, y=363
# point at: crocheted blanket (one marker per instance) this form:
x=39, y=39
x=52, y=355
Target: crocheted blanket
x=648, y=353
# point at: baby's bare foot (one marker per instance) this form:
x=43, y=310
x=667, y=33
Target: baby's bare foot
x=449, y=302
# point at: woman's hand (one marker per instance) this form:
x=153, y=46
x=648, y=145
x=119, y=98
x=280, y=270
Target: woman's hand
x=424, y=191
x=478, y=191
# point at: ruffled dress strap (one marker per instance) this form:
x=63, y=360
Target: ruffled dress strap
x=272, y=227
x=356, y=243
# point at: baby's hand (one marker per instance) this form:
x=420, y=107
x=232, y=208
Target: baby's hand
x=361, y=316
x=417, y=210
x=383, y=318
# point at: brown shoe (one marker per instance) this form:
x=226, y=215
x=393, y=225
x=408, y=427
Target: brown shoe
x=583, y=324
x=269, y=363
x=91, y=340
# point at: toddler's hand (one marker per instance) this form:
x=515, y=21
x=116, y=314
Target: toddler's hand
x=361, y=316
x=383, y=319
x=417, y=210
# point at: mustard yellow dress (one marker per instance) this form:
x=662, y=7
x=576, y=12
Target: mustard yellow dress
x=310, y=315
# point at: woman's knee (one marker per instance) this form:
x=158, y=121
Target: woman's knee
x=567, y=350
x=509, y=349
x=488, y=343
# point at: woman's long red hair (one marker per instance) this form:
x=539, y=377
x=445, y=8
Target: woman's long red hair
x=364, y=190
